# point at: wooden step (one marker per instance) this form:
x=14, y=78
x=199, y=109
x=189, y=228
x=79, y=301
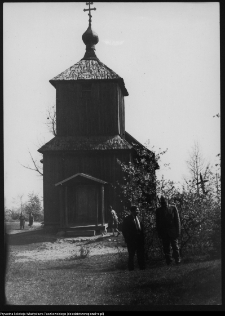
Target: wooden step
x=87, y=227
x=79, y=233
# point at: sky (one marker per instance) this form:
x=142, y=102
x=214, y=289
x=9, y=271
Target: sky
x=167, y=53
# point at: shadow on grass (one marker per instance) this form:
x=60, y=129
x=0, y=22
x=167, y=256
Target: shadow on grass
x=193, y=275
x=94, y=264
x=196, y=287
x=30, y=237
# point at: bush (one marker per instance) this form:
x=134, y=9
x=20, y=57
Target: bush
x=8, y=215
x=15, y=215
x=33, y=205
x=199, y=211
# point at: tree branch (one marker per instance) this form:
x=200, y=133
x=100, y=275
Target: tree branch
x=52, y=117
x=36, y=168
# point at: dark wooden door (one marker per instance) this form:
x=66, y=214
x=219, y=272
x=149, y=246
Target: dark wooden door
x=86, y=205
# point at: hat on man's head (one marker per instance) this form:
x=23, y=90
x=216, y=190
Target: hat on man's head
x=163, y=200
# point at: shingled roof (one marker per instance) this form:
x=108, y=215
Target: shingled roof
x=71, y=143
x=89, y=69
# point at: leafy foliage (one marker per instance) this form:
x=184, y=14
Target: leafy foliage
x=140, y=187
x=33, y=205
x=139, y=178
x=199, y=210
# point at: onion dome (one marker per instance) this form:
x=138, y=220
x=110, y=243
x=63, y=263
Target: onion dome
x=90, y=39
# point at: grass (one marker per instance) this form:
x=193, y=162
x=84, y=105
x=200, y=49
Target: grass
x=105, y=280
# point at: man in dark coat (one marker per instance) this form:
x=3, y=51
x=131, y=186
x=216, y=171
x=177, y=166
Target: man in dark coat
x=133, y=233
x=168, y=228
x=22, y=221
x=31, y=219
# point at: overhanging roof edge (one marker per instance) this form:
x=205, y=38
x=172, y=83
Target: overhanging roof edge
x=119, y=80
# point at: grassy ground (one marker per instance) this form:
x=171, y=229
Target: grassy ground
x=103, y=279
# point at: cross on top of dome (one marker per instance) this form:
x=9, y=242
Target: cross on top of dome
x=89, y=9
x=90, y=38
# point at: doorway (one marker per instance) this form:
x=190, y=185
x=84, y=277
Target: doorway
x=83, y=205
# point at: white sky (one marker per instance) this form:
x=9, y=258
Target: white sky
x=167, y=53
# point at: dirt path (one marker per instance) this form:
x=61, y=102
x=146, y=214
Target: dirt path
x=40, y=265
x=61, y=248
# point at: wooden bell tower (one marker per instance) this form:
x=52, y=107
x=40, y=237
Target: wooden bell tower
x=80, y=164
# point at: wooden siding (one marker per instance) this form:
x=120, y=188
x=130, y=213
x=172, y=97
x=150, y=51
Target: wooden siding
x=51, y=171
x=121, y=112
x=79, y=113
x=58, y=167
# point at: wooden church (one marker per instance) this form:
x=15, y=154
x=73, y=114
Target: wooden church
x=80, y=164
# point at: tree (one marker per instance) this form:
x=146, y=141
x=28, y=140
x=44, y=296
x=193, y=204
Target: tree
x=197, y=167
x=140, y=187
x=199, y=212
x=36, y=166
x=33, y=205
x=199, y=208
x=52, y=120
x=51, y=113
x=139, y=178
x=7, y=214
x=18, y=207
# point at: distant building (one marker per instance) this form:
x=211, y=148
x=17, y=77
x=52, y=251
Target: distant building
x=80, y=163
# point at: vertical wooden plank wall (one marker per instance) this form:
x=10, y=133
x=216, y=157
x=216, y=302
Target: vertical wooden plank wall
x=99, y=112
x=102, y=205
x=66, y=205
x=102, y=165
x=97, y=199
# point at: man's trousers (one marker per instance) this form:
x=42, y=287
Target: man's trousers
x=167, y=243
x=136, y=247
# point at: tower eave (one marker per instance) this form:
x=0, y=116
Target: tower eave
x=119, y=80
